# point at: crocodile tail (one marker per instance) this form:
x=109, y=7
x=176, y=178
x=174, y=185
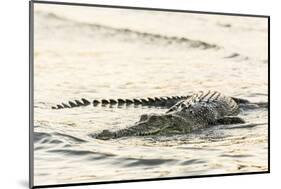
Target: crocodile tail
x=165, y=102
x=246, y=104
x=240, y=100
x=150, y=101
x=72, y=104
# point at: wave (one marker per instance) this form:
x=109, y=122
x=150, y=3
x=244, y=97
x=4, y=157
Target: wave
x=237, y=56
x=133, y=162
x=55, y=138
x=72, y=138
x=39, y=136
x=129, y=34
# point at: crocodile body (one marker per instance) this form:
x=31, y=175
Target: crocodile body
x=196, y=112
x=185, y=113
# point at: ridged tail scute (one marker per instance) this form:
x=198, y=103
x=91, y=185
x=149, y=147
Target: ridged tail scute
x=128, y=101
x=157, y=99
x=96, y=102
x=104, y=102
x=136, y=101
x=79, y=103
x=72, y=104
x=59, y=106
x=112, y=101
x=86, y=102
x=120, y=101
x=240, y=100
x=151, y=100
x=65, y=105
x=144, y=101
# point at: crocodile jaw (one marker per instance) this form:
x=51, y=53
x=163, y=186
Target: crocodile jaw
x=105, y=135
x=153, y=124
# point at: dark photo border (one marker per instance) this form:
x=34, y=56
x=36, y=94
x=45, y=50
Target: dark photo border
x=31, y=92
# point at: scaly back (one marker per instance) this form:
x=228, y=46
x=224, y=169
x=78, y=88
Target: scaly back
x=206, y=103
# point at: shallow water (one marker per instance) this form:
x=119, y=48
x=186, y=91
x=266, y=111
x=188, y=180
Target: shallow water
x=95, y=53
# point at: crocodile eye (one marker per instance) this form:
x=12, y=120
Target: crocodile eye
x=143, y=117
x=153, y=118
x=191, y=111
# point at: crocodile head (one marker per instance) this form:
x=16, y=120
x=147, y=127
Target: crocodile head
x=151, y=124
x=163, y=124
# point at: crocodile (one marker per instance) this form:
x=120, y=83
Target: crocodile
x=199, y=111
x=184, y=115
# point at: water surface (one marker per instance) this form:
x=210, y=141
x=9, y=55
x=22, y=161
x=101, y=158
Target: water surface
x=95, y=53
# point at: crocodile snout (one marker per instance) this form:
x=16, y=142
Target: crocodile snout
x=105, y=135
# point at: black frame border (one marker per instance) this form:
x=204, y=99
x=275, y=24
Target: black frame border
x=31, y=91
